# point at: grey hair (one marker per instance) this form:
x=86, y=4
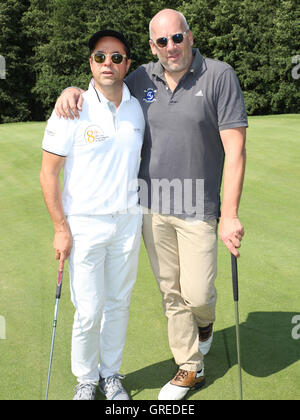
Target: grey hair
x=180, y=14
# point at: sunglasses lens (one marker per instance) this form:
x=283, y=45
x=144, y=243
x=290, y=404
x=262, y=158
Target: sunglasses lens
x=177, y=38
x=99, y=57
x=162, y=42
x=117, y=58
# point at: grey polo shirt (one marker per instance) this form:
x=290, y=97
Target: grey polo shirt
x=183, y=156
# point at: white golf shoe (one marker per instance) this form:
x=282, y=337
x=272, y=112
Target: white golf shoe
x=85, y=392
x=181, y=384
x=112, y=387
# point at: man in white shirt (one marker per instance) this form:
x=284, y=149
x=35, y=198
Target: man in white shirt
x=96, y=218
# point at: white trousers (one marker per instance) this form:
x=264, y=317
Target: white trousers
x=103, y=269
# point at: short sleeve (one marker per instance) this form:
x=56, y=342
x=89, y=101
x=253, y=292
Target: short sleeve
x=58, y=136
x=230, y=101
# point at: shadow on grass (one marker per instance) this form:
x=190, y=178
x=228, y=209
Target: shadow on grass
x=267, y=347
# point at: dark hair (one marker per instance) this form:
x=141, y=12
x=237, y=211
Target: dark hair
x=108, y=32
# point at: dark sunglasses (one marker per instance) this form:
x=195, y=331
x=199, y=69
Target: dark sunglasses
x=177, y=39
x=100, y=57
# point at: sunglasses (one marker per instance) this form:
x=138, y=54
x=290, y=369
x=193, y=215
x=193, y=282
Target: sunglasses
x=177, y=39
x=100, y=57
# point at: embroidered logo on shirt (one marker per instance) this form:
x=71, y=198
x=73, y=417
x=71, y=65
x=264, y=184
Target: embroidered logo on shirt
x=200, y=93
x=50, y=133
x=94, y=134
x=149, y=95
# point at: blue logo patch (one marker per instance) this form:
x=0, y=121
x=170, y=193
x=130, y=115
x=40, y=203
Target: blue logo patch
x=149, y=95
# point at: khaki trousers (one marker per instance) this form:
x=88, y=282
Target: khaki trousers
x=183, y=256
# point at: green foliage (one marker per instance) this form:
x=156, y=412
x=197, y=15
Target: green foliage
x=44, y=43
x=200, y=15
x=14, y=92
x=259, y=38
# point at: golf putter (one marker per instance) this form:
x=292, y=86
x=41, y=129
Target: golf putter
x=237, y=324
x=58, y=294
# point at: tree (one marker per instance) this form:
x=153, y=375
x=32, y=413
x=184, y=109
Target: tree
x=57, y=29
x=38, y=29
x=15, y=88
x=200, y=17
x=285, y=94
x=258, y=38
x=61, y=54
x=44, y=43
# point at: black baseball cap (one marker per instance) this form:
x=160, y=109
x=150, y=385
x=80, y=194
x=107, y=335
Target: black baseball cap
x=108, y=32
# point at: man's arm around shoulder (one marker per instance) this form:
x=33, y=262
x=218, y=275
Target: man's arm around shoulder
x=69, y=103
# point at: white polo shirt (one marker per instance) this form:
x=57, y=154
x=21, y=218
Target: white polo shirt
x=102, y=151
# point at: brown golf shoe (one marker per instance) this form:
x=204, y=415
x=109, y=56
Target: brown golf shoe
x=188, y=379
x=181, y=384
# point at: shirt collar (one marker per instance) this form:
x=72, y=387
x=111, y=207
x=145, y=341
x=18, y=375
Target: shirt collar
x=126, y=96
x=197, y=63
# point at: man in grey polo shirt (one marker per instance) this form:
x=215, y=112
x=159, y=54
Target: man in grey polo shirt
x=195, y=119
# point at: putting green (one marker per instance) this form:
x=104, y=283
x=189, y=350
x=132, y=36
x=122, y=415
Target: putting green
x=268, y=278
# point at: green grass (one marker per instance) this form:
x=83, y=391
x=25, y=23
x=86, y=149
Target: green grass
x=268, y=277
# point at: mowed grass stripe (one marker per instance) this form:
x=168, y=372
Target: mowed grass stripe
x=268, y=275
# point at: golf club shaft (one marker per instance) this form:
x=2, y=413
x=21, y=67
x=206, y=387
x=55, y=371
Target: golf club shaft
x=52, y=348
x=238, y=347
x=58, y=294
x=237, y=321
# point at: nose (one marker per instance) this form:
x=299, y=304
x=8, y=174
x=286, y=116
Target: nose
x=107, y=61
x=170, y=44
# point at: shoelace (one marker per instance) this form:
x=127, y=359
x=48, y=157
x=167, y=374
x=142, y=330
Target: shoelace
x=84, y=391
x=113, y=385
x=181, y=374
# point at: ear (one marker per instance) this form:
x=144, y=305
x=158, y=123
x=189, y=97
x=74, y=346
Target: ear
x=191, y=38
x=153, y=47
x=128, y=65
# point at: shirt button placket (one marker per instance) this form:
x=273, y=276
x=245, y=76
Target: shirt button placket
x=113, y=111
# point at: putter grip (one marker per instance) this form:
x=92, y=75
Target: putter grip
x=234, y=278
x=59, y=284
